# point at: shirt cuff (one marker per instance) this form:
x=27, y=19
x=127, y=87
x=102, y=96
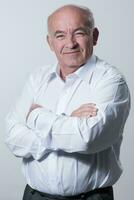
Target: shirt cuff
x=31, y=120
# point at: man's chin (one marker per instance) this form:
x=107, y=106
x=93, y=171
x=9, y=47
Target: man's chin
x=74, y=64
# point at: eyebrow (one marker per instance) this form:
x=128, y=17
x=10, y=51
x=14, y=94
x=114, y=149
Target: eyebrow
x=58, y=32
x=85, y=29
x=81, y=29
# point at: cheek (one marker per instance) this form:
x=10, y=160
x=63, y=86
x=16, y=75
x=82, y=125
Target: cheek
x=84, y=44
x=88, y=46
x=57, y=48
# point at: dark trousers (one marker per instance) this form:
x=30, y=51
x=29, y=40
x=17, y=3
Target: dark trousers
x=97, y=194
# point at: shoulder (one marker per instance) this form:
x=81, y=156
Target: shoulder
x=105, y=71
x=41, y=73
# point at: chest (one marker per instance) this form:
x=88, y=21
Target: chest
x=61, y=97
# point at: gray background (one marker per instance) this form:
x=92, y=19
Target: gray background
x=23, y=48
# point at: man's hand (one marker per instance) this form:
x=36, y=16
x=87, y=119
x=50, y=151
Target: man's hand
x=85, y=110
x=34, y=106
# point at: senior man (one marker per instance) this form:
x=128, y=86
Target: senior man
x=68, y=123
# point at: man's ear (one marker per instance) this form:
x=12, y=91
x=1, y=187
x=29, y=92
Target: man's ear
x=95, y=36
x=50, y=42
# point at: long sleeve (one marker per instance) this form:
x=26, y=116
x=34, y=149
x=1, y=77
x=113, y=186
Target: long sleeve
x=22, y=140
x=90, y=135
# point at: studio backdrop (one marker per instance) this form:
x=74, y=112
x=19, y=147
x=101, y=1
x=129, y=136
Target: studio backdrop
x=23, y=48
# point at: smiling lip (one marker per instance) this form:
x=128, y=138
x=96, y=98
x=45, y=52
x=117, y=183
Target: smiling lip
x=71, y=52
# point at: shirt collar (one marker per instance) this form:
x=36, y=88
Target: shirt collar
x=86, y=69
x=53, y=72
x=82, y=72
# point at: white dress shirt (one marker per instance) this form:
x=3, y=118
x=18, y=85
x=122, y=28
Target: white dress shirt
x=69, y=155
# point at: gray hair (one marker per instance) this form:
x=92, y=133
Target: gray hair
x=86, y=11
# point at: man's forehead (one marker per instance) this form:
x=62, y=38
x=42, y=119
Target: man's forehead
x=70, y=30
x=67, y=24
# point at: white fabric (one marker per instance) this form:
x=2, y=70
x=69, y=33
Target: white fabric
x=63, y=154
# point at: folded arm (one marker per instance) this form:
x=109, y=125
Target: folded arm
x=88, y=135
x=44, y=131
x=25, y=141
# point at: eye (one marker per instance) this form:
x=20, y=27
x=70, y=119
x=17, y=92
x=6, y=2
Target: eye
x=60, y=36
x=80, y=33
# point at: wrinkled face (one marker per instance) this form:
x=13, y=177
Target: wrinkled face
x=70, y=38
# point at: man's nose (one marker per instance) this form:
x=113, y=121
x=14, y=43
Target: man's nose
x=71, y=42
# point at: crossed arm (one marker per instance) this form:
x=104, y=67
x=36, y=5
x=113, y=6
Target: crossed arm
x=87, y=130
x=85, y=110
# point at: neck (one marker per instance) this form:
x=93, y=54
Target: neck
x=66, y=71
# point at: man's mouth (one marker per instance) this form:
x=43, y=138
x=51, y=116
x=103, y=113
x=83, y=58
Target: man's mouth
x=72, y=52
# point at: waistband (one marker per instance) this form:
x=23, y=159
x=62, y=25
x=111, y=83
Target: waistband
x=108, y=190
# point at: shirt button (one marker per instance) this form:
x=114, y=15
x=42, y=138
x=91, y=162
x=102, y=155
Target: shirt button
x=82, y=196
